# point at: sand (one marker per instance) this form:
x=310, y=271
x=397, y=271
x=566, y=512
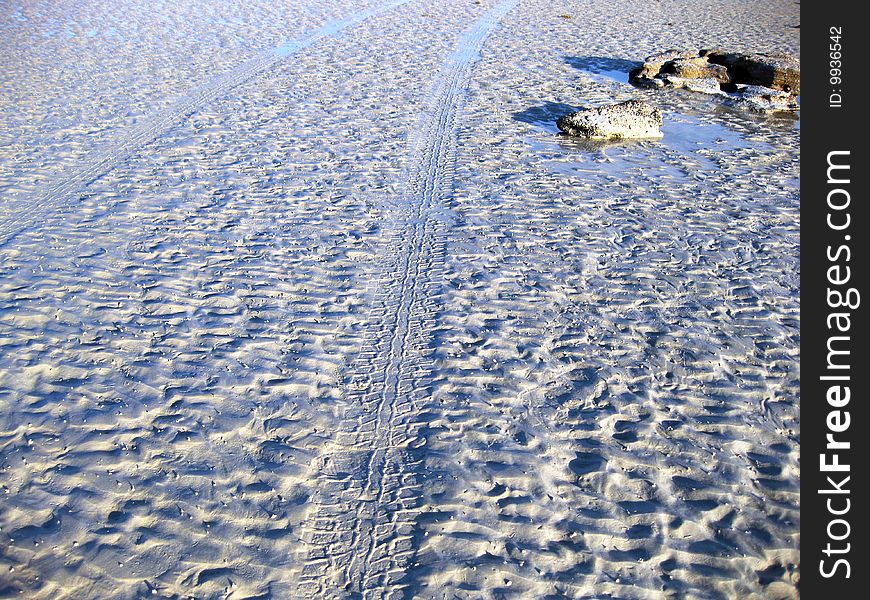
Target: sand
x=303, y=300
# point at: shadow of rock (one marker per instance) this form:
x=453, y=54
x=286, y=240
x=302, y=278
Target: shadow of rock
x=615, y=68
x=545, y=114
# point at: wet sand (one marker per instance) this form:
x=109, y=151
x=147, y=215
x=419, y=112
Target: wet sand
x=347, y=318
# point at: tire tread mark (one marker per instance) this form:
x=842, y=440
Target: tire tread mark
x=370, y=541
x=115, y=152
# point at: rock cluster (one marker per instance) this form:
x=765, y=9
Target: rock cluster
x=631, y=119
x=762, y=82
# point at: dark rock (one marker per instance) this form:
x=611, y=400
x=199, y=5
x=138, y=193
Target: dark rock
x=777, y=71
x=764, y=82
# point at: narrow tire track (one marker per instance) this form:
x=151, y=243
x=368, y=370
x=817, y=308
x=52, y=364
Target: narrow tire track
x=360, y=537
x=131, y=139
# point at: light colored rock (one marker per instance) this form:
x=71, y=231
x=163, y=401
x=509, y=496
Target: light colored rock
x=707, y=85
x=669, y=55
x=763, y=99
x=628, y=120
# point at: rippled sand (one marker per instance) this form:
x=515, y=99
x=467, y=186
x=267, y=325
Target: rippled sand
x=308, y=300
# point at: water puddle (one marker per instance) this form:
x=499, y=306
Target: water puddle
x=688, y=134
x=608, y=69
x=618, y=76
x=689, y=143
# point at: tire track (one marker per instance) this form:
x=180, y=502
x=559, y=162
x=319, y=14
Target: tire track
x=116, y=152
x=360, y=538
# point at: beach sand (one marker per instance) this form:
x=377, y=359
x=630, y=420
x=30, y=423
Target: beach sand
x=300, y=300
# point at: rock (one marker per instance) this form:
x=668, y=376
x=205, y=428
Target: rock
x=763, y=99
x=646, y=76
x=631, y=119
x=653, y=64
x=707, y=85
x=669, y=55
x=777, y=71
x=763, y=82
x=696, y=68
